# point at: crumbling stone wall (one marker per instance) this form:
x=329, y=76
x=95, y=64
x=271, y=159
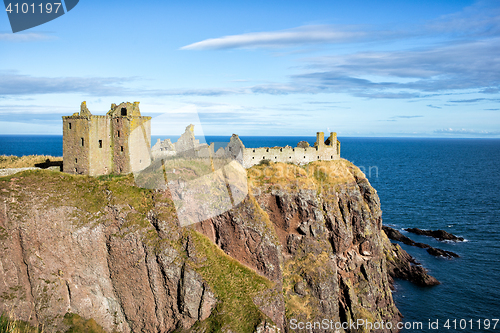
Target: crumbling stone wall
x=187, y=146
x=322, y=151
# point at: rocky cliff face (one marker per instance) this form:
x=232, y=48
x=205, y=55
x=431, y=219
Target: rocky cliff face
x=305, y=245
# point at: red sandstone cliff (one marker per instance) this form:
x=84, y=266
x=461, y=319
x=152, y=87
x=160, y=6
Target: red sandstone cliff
x=306, y=245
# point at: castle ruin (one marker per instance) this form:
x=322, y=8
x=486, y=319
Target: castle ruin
x=188, y=146
x=120, y=142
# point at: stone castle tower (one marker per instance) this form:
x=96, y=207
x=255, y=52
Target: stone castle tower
x=119, y=142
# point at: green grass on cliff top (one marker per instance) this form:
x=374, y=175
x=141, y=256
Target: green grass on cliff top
x=310, y=176
x=10, y=161
x=234, y=284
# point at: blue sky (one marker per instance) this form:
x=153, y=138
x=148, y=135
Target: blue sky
x=361, y=68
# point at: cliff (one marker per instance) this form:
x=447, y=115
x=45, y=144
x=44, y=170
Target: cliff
x=306, y=245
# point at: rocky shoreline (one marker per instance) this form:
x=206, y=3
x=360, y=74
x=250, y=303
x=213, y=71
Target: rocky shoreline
x=398, y=236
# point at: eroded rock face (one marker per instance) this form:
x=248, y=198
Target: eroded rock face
x=327, y=254
x=121, y=267
x=109, y=251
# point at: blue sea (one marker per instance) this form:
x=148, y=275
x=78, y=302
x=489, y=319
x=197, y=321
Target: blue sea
x=450, y=184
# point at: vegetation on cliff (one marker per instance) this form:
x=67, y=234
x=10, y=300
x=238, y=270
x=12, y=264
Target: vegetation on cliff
x=10, y=161
x=305, y=244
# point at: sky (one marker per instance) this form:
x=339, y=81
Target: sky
x=389, y=68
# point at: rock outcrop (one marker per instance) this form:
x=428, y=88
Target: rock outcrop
x=440, y=235
x=306, y=244
x=403, y=266
x=398, y=236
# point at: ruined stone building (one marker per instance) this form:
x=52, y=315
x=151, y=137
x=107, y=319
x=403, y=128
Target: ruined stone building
x=188, y=146
x=118, y=142
x=322, y=151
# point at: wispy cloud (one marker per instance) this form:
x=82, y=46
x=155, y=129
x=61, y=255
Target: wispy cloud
x=12, y=83
x=433, y=106
x=475, y=100
x=409, y=74
x=467, y=61
x=480, y=19
x=312, y=34
x=25, y=37
x=463, y=131
x=406, y=117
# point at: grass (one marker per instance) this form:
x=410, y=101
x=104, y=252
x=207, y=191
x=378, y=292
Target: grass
x=11, y=161
x=315, y=175
x=9, y=325
x=78, y=324
x=74, y=322
x=234, y=285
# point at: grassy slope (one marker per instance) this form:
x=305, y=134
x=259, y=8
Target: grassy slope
x=7, y=162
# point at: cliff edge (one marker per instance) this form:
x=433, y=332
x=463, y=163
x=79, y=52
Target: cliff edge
x=305, y=245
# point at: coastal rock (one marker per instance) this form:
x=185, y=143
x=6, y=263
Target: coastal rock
x=403, y=266
x=440, y=235
x=398, y=236
x=442, y=253
x=307, y=245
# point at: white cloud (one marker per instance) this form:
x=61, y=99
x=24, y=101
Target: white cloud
x=24, y=37
x=312, y=34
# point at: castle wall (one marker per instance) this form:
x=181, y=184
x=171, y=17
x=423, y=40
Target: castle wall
x=100, y=146
x=76, y=153
x=300, y=156
x=139, y=143
x=120, y=148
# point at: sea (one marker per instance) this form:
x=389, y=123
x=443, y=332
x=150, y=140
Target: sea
x=428, y=183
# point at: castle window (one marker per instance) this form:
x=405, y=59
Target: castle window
x=263, y=157
x=100, y=143
x=253, y=158
x=275, y=157
x=124, y=111
x=254, y=150
x=69, y=125
x=267, y=150
x=281, y=149
x=118, y=133
x=318, y=157
x=290, y=157
x=83, y=142
x=76, y=160
x=121, y=148
x=304, y=157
